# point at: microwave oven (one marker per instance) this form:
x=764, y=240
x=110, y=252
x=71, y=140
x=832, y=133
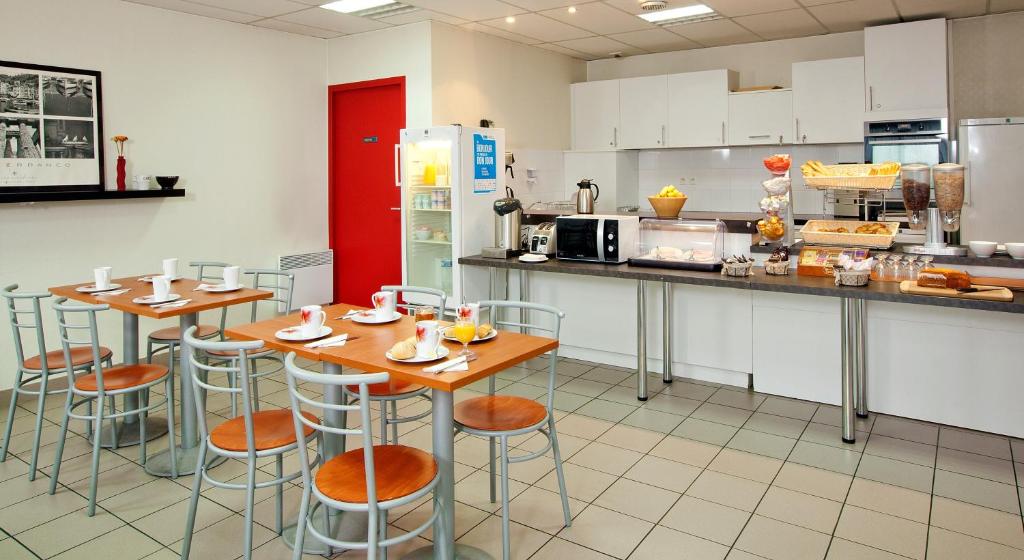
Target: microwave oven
x=597, y=238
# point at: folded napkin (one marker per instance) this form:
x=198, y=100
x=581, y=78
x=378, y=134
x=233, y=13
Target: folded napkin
x=450, y=365
x=172, y=304
x=112, y=292
x=332, y=341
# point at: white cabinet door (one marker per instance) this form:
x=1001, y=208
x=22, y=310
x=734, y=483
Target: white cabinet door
x=643, y=107
x=698, y=108
x=595, y=115
x=905, y=66
x=761, y=117
x=828, y=106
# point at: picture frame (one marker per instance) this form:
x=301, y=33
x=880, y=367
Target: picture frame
x=51, y=130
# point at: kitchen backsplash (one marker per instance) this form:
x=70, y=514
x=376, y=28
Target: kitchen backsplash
x=550, y=176
x=729, y=179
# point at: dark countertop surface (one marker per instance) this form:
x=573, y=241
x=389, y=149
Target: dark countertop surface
x=808, y=285
x=1003, y=260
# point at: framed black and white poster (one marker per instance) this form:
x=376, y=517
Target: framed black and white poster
x=51, y=129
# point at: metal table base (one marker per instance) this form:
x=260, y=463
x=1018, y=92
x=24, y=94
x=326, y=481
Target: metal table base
x=128, y=434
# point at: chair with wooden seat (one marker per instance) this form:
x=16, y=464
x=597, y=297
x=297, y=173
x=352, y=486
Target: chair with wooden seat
x=249, y=437
x=372, y=479
x=24, y=311
x=282, y=284
x=499, y=417
x=388, y=395
x=77, y=327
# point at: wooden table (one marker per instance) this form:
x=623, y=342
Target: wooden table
x=159, y=464
x=367, y=354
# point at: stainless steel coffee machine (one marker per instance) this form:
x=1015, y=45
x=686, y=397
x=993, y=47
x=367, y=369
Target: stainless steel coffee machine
x=508, y=217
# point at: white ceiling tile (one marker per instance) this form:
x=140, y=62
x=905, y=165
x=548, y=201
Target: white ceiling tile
x=334, y=21
x=733, y=8
x=655, y=40
x=199, y=10
x=422, y=15
x=470, y=10
x=476, y=26
x=782, y=25
x=313, y=2
x=599, y=46
x=820, y=2
x=538, y=5
x=545, y=29
x=569, y=52
x=297, y=28
x=715, y=33
x=940, y=8
x=600, y=18
x=855, y=14
x=633, y=6
x=268, y=8
x=998, y=6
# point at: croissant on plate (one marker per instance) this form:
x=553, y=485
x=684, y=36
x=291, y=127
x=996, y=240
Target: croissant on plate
x=403, y=350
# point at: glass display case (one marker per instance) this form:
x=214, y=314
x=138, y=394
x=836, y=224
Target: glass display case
x=686, y=244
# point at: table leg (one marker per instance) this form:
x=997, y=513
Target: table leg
x=666, y=317
x=641, y=340
x=847, y=343
x=524, y=295
x=859, y=358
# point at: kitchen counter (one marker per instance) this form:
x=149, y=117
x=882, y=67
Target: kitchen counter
x=997, y=261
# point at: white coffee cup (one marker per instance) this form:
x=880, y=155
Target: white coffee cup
x=428, y=339
x=384, y=305
x=161, y=287
x=469, y=312
x=311, y=320
x=101, y=276
x=231, y=277
x=142, y=182
x=170, y=268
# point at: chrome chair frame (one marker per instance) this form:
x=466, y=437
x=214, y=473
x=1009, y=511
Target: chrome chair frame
x=376, y=510
x=494, y=307
x=237, y=370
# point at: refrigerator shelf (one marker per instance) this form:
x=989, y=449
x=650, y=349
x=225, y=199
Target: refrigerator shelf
x=430, y=186
x=432, y=209
x=431, y=242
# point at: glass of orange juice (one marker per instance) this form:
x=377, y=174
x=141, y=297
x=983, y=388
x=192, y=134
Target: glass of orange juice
x=465, y=332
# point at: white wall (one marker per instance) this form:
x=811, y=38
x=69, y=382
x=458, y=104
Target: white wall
x=238, y=112
x=767, y=63
x=399, y=51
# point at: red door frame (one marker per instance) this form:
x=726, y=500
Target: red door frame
x=331, y=92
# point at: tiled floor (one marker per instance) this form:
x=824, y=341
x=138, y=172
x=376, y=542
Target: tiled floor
x=697, y=472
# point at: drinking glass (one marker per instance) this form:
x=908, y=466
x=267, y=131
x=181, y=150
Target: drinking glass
x=878, y=268
x=424, y=313
x=465, y=332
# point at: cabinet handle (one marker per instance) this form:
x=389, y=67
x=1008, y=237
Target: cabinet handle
x=615, y=136
x=871, y=98
x=662, y=141
x=723, y=133
x=760, y=136
x=798, y=128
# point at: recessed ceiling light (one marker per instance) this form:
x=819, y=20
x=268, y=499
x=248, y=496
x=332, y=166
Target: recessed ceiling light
x=696, y=11
x=510, y=19
x=572, y=9
x=349, y=6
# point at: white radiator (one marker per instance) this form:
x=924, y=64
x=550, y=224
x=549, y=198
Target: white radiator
x=314, y=278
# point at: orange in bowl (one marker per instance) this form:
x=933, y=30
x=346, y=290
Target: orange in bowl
x=667, y=206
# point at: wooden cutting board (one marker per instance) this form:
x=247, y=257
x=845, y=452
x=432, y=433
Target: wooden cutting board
x=1001, y=294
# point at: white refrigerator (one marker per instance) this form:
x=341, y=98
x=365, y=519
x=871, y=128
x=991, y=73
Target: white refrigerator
x=450, y=177
x=991, y=150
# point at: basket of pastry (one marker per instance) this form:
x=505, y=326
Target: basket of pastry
x=852, y=176
x=737, y=266
x=778, y=263
x=848, y=233
x=850, y=272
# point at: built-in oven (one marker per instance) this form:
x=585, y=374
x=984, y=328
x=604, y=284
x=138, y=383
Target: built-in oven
x=597, y=238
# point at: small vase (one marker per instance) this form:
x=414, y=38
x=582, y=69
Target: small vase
x=120, y=173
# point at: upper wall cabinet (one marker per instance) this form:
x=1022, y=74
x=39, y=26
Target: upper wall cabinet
x=595, y=115
x=905, y=67
x=698, y=108
x=761, y=117
x=828, y=106
x=643, y=112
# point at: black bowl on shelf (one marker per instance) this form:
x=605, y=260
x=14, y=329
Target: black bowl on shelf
x=167, y=182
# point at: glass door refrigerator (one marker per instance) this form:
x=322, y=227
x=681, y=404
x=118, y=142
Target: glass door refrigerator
x=450, y=178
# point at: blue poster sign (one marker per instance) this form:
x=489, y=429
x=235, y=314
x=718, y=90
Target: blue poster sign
x=485, y=166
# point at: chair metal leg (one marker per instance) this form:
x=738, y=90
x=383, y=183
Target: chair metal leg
x=384, y=533
x=172, y=447
x=394, y=423
x=143, y=415
x=300, y=528
x=40, y=405
x=88, y=423
x=279, y=497
x=197, y=483
x=95, y=472
x=492, y=473
x=255, y=386
x=506, y=545
x=373, y=535
x=55, y=469
x=558, y=471
x=233, y=382
x=250, y=503
x=113, y=424
x=383, y=423
x=11, y=409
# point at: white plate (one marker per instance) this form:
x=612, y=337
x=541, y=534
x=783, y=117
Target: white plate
x=150, y=278
x=371, y=318
x=294, y=334
x=531, y=258
x=220, y=288
x=151, y=299
x=441, y=353
x=92, y=289
x=490, y=335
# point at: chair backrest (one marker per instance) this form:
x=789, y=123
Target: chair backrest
x=296, y=375
x=279, y=282
x=409, y=307
x=23, y=309
x=212, y=271
x=204, y=384
x=552, y=326
x=72, y=320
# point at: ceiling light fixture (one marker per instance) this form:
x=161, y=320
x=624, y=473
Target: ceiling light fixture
x=351, y=6
x=685, y=14
x=510, y=19
x=572, y=9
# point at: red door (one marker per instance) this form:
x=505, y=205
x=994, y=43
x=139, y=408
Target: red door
x=365, y=221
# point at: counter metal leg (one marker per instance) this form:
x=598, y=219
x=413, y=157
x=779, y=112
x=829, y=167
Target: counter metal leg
x=524, y=295
x=641, y=340
x=847, y=343
x=666, y=329
x=860, y=364
x=492, y=285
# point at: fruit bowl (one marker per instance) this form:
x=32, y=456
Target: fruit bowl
x=667, y=206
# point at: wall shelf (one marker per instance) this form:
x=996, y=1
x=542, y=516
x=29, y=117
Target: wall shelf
x=89, y=195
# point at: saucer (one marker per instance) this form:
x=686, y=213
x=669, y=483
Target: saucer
x=92, y=289
x=151, y=299
x=371, y=318
x=294, y=334
x=441, y=353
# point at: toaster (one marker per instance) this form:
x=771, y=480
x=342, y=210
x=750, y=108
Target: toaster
x=543, y=239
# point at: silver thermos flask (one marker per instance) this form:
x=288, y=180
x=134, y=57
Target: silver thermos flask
x=586, y=196
x=508, y=216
